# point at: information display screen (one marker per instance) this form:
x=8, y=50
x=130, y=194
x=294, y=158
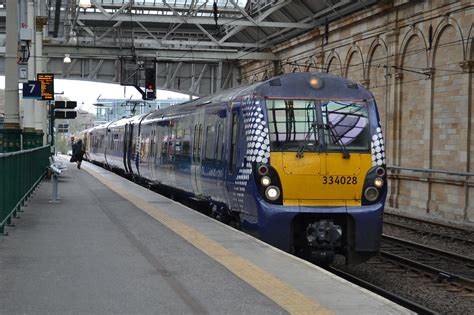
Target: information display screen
x=47, y=86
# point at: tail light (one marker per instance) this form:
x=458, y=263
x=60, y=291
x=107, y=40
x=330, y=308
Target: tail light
x=374, y=185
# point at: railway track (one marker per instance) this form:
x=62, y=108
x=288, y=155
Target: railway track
x=421, y=278
x=443, y=267
x=397, y=298
x=431, y=229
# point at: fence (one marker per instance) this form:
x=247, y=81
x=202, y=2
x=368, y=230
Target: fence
x=20, y=173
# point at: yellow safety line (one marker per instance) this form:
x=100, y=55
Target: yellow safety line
x=292, y=300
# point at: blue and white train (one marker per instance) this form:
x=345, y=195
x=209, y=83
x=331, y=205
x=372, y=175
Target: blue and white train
x=297, y=160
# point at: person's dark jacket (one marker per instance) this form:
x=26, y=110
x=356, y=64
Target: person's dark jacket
x=77, y=151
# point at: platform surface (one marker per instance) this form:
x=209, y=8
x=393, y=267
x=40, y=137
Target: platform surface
x=112, y=247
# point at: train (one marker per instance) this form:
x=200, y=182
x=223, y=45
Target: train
x=297, y=160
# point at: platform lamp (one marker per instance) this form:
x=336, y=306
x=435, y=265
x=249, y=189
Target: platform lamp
x=67, y=58
x=85, y=4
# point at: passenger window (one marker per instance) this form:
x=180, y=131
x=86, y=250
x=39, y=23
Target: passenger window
x=220, y=137
x=186, y=142
x=199, y=144
x=210, y=143
x=195, y=142
x=233, y=148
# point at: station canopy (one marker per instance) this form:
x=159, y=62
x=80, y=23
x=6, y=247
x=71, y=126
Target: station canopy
x=212, y=26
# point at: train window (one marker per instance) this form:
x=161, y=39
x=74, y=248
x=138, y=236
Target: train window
x=199, y=143
x=178, y=142
x=186, y=145
x=220, y=142
x=210, y=151
x=293, y=123
x=195, y=137
x=171, y=139
x=348, y=125
x=233, y=148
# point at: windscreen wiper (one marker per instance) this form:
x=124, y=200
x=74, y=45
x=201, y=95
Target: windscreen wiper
x=300, y=152
x=338, y=141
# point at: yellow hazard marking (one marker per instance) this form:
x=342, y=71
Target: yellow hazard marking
x=289, y=298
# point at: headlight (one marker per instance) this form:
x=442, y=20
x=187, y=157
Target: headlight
x=265, y=181
x=272, y=193
x=378, y=182
x=371, y=194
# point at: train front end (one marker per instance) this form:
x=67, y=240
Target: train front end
x=321, y=191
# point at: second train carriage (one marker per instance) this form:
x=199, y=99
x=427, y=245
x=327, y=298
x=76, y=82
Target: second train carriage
x=297, y=160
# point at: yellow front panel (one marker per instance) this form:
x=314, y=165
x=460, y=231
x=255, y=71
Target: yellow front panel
x=321, y=179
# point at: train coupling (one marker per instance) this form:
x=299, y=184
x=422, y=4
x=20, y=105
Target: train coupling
x=322, y=238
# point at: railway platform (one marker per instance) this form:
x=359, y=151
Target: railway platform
x=110, y=246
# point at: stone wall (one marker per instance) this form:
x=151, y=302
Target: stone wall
x=417, y=58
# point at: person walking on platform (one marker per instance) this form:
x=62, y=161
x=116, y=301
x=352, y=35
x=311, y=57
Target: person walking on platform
x=77, y=152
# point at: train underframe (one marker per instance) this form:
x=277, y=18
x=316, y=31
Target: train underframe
x=319, y=238
x=319, y=234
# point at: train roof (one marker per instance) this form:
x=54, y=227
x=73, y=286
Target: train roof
x=293, y=85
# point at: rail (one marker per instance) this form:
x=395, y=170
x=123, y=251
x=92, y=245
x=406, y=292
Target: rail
x=429, y=171
x=449, y=177
x=20, y=173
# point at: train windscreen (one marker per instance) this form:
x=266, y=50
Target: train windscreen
x=318, y=125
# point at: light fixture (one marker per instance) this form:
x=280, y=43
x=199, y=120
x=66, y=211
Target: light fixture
x=73, y=38
x=85, y=4
x=273, y=193
x=265, y=181
x=378, y=182
x=67, y=58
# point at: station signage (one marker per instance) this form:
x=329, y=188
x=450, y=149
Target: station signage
x=63, y=128
x=65, y=104
x=65, y=114
x=62, y=109
x=47, y=85
x=32, y=90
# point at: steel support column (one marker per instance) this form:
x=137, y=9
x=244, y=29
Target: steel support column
x=10, y=136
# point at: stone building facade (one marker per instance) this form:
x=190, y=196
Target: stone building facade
x=417, y=58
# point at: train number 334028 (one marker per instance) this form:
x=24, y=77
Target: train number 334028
x=339, y=180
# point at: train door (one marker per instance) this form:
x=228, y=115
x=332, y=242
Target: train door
x=233, y=159
x=197, y=153
x=125, y=149
x=107, y=146
x=130, y=152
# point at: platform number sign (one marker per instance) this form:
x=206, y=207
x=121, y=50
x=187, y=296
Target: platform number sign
x=32, y=90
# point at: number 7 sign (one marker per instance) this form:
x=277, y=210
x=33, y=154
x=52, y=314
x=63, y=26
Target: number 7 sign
x=32, y=90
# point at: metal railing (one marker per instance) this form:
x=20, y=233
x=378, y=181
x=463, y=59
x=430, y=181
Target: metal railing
x=428, y=171
x=432, y=175
x=20, y=173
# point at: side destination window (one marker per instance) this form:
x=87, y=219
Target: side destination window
x=233, y=147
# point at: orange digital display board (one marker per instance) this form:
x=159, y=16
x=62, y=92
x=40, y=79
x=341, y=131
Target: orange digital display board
x=47, y=85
